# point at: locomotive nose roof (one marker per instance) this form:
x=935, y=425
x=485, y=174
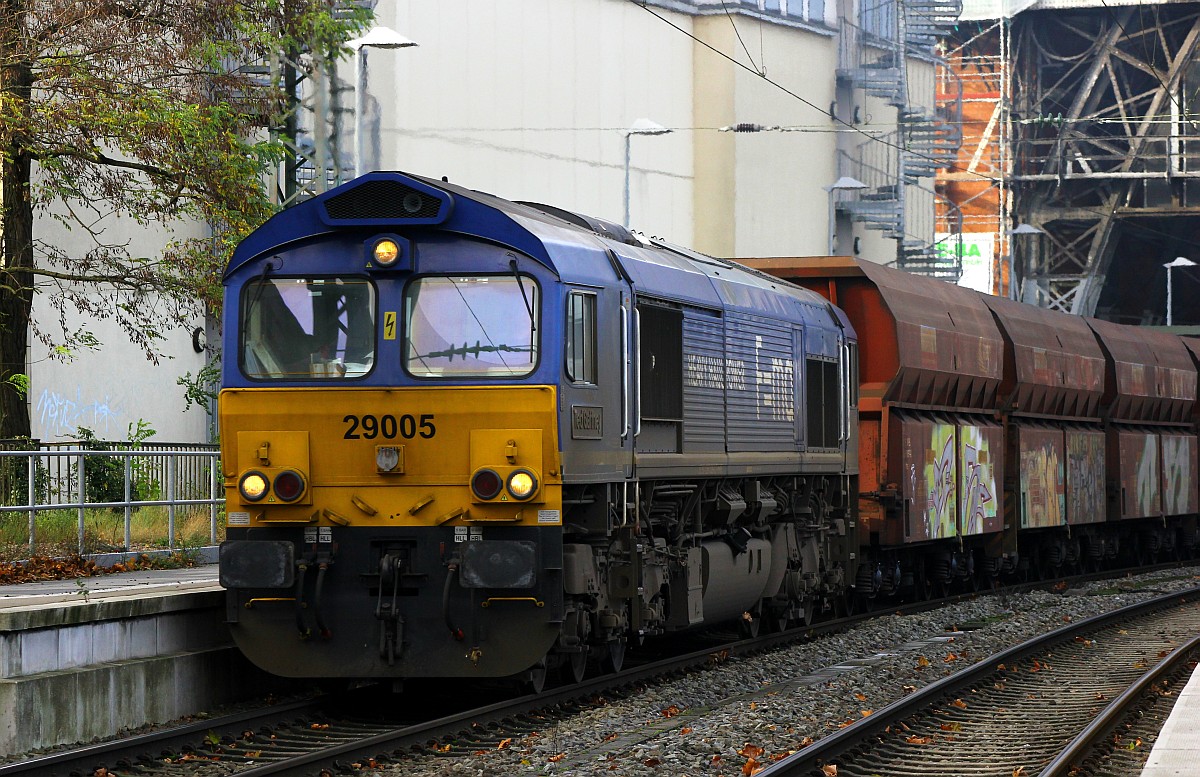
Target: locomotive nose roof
x=576, y=248
x=395, y=201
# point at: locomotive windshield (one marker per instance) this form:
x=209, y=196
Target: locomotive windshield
x=464, y=326
x=304, y=328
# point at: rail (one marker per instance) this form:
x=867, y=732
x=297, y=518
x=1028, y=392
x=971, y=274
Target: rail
x=83, y=479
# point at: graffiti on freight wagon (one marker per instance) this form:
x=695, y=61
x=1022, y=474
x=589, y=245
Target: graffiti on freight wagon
x=1043, y=498
x=978, y=478
x=1179, y=463
x=940, y=477
x=1085, y=476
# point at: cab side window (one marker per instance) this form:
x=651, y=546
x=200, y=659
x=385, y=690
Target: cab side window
x=581, y=361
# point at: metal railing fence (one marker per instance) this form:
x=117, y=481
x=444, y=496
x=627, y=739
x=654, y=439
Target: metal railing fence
x=83, y=479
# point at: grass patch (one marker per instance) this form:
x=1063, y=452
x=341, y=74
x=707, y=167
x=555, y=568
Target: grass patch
x=57, y=531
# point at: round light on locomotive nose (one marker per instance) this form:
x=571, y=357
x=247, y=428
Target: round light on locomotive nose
x=289, y=485
x=386, y=253
x=522, y=484
x=253, y=486
x=486, y=484
x=387, y=458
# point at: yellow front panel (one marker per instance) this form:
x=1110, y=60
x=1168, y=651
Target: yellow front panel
x=443, y=435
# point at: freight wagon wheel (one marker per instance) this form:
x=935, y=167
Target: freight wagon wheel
x=922, y=585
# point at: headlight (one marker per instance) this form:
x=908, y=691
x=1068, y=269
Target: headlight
x=289, y=485
x=253, y=486
x=486, y=484
x=522, y=484
x=387, y=459
x=386, y=252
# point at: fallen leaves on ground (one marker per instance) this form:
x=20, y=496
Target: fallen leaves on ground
x=38, y=568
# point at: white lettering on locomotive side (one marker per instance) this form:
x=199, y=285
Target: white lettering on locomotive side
x=776, y=395
x=700, y=371
x=735, y=375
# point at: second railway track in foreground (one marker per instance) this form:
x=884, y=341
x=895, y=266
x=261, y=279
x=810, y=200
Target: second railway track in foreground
x=1015, y=713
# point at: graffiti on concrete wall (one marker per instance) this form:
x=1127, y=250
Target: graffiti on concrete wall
x=61, y=415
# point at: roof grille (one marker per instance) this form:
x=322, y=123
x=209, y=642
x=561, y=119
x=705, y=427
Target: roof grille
x=383, y=201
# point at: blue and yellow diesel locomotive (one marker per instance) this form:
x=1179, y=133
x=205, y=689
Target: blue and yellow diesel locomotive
x=467, y=437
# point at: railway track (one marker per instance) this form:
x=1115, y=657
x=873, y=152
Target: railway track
x=335, y=734
x=1047, y=703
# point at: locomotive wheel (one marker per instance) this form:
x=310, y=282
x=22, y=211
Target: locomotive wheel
x=779, y=621
x=575, y=667
x=808, y=611
x=750, y=623
x=612, y=656
x=535, y=677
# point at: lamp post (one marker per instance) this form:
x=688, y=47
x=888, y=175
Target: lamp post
x=1180, y=261
x=376, y=38
x=843, y=184
x=1020, y=229
x=639, y=127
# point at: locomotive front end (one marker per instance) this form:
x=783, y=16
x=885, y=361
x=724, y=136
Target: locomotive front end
x=405, y=532
x=390, y=450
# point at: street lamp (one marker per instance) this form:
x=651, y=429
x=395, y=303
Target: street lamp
x=376, y=38
x=639, y=127
x=1180, y=261
x=1020, y=229
x=843, y=184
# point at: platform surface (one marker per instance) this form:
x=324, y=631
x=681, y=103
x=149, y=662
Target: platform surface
x=1177, y=750
x=108, y=587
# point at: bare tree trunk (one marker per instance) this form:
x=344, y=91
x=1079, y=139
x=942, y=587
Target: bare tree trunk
x=16, y=219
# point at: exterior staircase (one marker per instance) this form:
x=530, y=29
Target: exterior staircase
x=873, y=57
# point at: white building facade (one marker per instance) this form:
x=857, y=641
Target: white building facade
x=535, y=100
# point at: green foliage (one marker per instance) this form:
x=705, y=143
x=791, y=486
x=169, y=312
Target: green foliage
x=163, y=115
x=201, y=390
x=20, y=382
x=14, y=476
x=104, y=476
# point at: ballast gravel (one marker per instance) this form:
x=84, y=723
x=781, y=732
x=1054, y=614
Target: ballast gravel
x=764, y=707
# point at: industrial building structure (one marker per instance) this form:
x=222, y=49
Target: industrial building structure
x=1079, y=132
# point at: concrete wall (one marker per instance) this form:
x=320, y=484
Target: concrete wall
x=529, y=100
x=113, y=385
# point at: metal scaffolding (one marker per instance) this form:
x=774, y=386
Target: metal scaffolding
x=1104, y=146
x=1080, y=121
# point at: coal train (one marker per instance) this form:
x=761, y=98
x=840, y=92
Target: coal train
x=468, y=437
